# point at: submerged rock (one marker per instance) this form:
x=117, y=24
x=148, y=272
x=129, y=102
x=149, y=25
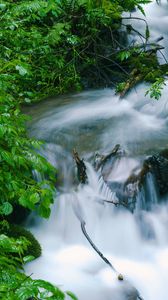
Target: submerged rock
x=125, y=193
x=126, y=292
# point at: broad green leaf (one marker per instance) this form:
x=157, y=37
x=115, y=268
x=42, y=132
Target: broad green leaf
x=34, y=198
x=27, y=290
x=6, y=208
x=44, y=212
x=28, y=258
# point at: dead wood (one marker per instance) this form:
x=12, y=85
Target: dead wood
x=83, y=227
x=135, y=77
x=81, y=168
x=105, y=158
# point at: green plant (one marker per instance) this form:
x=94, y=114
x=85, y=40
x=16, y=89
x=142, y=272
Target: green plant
x=16, y=231
x=41, y=41
x=17, y=159
x=155, y=90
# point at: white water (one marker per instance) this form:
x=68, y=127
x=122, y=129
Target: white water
x=136, y=244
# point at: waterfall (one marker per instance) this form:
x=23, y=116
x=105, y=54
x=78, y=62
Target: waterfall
x=133, y=237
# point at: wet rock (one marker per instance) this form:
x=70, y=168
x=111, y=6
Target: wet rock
x=125, y=193
x=129, y=292
x=155, y=166
x=159, y=167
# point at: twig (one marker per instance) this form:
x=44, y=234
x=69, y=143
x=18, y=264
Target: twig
x=135, y=18
x=104, y=159
x=83, y=224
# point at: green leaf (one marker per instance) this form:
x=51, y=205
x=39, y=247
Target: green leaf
x=71, y=295
x=2, y=6
x=155, y=90
x=6, y=208
x=141, y=9
x=34, y=198
x=50, y=288
x=29, y=199
x=23, y=200
x=27, y=290
x=44, y=212
x=147, y=33
x=124, y=55
x=28, y=258
x=22, y=70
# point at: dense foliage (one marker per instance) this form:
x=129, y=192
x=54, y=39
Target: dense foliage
x=51, y=47
x=16, y=231
x=17, y=160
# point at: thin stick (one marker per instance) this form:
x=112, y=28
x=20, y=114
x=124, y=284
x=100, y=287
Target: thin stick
x=83, y=227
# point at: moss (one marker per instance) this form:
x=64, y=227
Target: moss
x=16, y=231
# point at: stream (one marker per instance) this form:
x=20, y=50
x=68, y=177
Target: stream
x=134, y=241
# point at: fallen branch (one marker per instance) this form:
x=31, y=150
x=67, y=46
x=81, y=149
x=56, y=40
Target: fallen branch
x=122, y=203
x=83, y=227
x=105, y=158
x=120, y=276
x=135, y=77
x=79, y=214
x=83, y=224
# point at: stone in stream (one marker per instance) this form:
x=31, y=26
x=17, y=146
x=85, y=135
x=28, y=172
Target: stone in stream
x=159, y=167
x=126, y=292
x=156, y=166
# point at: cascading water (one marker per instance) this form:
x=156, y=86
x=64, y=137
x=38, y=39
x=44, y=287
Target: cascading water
x=134, y=240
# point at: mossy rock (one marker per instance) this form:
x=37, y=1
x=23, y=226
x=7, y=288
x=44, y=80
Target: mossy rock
x=17, y=231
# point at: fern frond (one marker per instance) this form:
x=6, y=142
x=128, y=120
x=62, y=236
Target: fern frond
x=55, y=33
x=29, y=7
